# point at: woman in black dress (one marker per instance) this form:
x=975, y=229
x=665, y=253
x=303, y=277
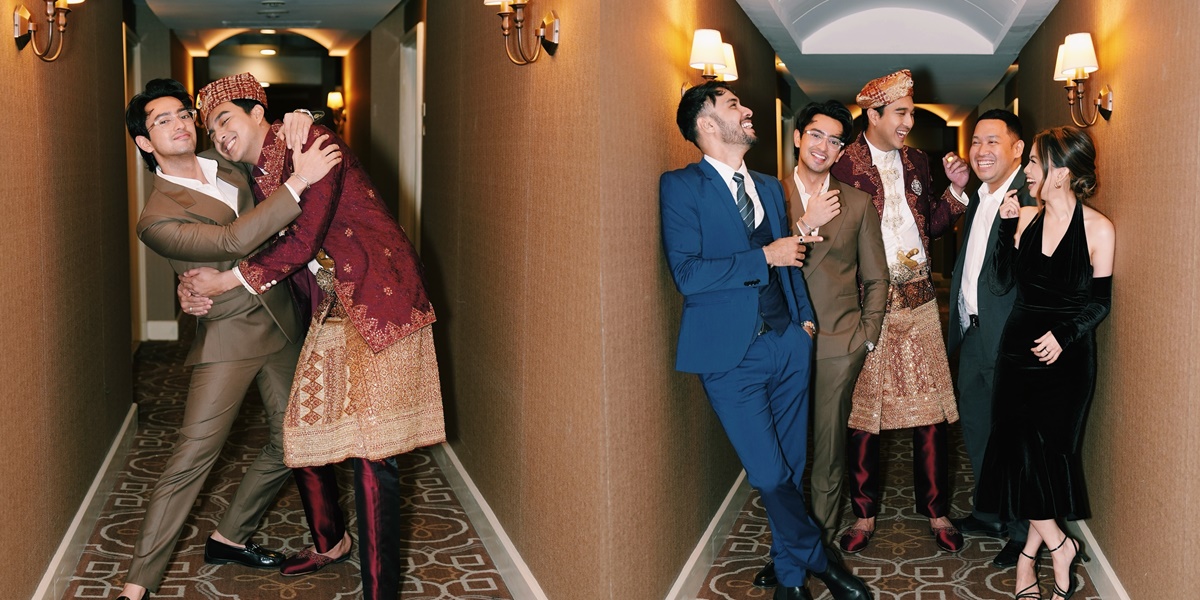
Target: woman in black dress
x=1060, y=257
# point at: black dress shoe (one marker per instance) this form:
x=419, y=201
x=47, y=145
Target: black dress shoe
x=843, y=584
x=253, y=555
x=766, y=577
x=1008, y=555
x=792, y=593
x=971, y=524
x=145, y=596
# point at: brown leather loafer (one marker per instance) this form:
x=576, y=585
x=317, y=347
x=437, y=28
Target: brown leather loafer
x=855, y=540
x=947, y=538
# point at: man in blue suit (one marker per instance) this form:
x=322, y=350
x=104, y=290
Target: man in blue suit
x=747, y=323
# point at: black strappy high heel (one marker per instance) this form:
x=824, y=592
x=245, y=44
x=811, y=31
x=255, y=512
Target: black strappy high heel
x=1070, y=591
x=1036, y=593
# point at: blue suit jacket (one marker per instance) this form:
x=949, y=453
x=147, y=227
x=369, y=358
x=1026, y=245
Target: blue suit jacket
x=715, y=267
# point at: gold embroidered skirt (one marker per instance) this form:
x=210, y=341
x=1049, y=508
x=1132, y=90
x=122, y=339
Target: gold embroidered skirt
x=905, y=381
x=350, y=402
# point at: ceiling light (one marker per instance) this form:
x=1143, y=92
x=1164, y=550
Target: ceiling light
x=267, y=31
x=267, y=52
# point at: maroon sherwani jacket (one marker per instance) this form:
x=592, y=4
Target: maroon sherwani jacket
x=934, y=215
x=379, y=276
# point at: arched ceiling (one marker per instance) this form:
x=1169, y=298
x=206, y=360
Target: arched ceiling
x=958, y=50
x=202, y=25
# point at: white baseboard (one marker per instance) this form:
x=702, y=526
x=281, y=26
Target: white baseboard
x=1099, y=569
x=696, y=569
x=162, y=330
x=516, y=574
x=70, y=550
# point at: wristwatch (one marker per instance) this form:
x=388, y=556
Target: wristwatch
x=810, y=327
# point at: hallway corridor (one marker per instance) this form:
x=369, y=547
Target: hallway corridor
x=443, y=555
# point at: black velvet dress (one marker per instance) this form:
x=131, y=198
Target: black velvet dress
x=1032, y=468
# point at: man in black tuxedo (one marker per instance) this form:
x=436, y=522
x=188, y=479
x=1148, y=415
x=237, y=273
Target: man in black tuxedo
x=977, y=315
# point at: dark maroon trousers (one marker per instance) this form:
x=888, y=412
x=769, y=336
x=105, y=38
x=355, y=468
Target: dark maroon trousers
x=377, y=499
x=930, y=477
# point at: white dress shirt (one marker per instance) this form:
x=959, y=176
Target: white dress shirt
x=900, y=234
x=211, y=187
x=804, y=196
x=726, y=172
x=981, y=230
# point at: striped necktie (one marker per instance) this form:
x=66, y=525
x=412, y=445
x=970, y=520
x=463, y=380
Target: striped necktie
x=745, y=208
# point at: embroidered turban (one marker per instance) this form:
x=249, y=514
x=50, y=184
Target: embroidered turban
x=886, y=90
x=242, y=86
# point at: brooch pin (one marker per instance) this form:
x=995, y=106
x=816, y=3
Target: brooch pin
x=916, y=187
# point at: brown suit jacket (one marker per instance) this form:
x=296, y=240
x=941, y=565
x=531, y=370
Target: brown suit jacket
x=191, y=230
x=851, y=252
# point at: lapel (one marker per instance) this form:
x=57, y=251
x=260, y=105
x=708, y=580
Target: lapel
x=994, y=234
x=771, y=203
x=723, y=200
x=272, y=162
x=912, y=188
x=861, y=166
x=195, y=203
x=829, y=231
x=234, y=175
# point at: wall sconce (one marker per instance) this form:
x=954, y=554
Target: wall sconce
x=729, y=71
x=25, y=29
x=1076, y=60
x=337, y=104
x=708, y=53
x=512, y=12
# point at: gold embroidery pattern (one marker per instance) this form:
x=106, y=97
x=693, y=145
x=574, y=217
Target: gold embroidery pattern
x=387, y=290
x=905, y=382
x=349, y=232
x=383, y=404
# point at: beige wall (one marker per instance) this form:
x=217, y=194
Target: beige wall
x=65, y=293
x=1141, y=444
x=557, y=314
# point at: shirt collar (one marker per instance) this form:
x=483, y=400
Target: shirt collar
x=208, y=167
x=877, y=155
x=1000, y=191
x=800, y=185
x=725, y=171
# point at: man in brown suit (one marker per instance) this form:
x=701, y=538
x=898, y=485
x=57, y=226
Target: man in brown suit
x=243, y=339
x=848, y=324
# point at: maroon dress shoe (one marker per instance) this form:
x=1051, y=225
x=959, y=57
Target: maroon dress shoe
x=855, y=540
x=947, y=538
x=308, y=561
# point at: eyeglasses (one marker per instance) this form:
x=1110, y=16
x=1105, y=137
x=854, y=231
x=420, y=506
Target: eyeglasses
x=166, y=120
x=819, y=136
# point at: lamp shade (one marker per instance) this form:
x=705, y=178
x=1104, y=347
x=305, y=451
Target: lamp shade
x=1078, y=53
x=729, y=71
x=707, y=49
x=1059, y=73
x=335, y=101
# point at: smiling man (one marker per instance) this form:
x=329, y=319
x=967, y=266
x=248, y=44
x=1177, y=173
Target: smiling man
x=202, y=213
x=977, y=314
x=905, y=382
x=747, y=324
x=367, y=386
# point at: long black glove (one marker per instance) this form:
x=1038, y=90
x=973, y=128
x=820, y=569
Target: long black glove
x=1091, y=315
x=1005, y=255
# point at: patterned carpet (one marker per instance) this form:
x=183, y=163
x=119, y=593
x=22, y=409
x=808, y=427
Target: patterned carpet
x=443, y=556
x=902, y=562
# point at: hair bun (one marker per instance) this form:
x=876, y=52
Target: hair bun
x=1084, y=186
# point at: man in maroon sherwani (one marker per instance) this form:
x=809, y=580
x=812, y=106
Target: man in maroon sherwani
x=350, y=260
x=905, y=381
